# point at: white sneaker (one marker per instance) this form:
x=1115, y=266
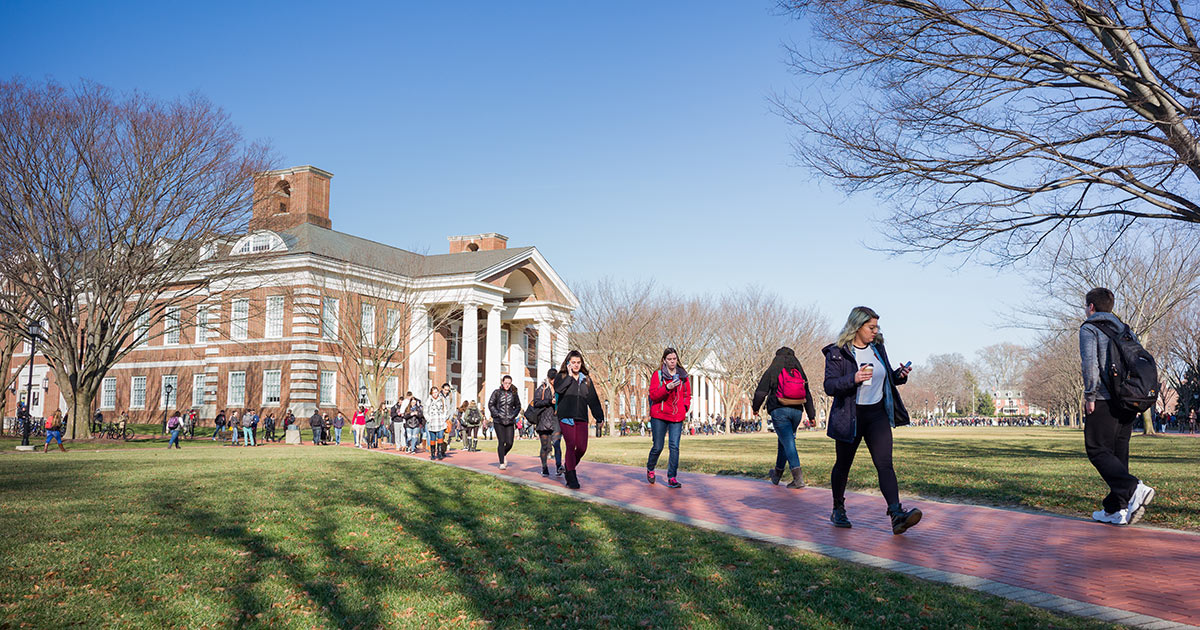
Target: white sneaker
x=1120, y=517
x=503, y=466
x=1142, y=496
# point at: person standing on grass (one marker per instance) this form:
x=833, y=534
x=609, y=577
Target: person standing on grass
x=670, y=397
x=1108, y=425
x=269, y=427
x=576, y=395
x=248, y=428
x=53, y=428
x=316, y=424
x=235, y=421
x=784, y=387
x=866, y=405
x=174, y=425
x=437, y=413
x=546, y=424
x=504, y=407
x=218, y=424
x=339, y=422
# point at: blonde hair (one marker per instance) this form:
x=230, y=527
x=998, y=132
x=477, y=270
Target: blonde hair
x=859, y=315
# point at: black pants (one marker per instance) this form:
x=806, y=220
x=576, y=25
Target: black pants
x=551, y=440
x=317, y=435
x=1106, y=440
x=873, y=426
x=505, y=433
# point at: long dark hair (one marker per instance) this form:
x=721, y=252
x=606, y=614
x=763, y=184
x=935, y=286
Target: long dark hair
x=563, y=371
x=785, y=357
x=668, y=352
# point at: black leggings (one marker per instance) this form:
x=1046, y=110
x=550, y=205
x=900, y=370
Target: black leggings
x=873, y=426
x=504, y=434
x=551, y=440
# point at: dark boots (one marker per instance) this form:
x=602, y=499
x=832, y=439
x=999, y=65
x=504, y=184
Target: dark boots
x=903, y=519
x=839, y=518
x=572, y=480
x=775, y=474
x=797, y=479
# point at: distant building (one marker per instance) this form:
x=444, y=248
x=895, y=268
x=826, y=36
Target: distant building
x=1011, y=402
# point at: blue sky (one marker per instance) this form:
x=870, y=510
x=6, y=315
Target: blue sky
x=628, y=139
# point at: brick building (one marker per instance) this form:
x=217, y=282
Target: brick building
x=281, y=336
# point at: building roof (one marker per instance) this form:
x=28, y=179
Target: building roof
x=307, y=238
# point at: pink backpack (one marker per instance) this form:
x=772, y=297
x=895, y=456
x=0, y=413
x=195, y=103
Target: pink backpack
x=791, y=385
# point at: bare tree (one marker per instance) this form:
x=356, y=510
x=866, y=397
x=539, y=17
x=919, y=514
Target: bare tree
x=113, y=210
x=950, y=381
x=1002, y=364
x=997, y=127
x=755, y=324
x=1052, y=380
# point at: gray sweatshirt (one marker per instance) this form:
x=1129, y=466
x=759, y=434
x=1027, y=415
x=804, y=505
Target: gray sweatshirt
x=1093, y=354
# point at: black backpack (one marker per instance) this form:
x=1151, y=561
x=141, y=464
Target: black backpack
x=1131, y=373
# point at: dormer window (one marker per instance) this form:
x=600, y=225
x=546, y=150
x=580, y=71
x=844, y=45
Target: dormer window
x=259, y=242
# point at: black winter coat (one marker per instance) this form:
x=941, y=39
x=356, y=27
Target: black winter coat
x=840, y=366
x=575, y=398
x=543, y=406
x=504, y=406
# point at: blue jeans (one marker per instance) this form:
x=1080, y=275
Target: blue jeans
x=414, y=436
x=659, y=429
x=174, y=439
x=233, y=435
x=337, y=435
x=786, y=420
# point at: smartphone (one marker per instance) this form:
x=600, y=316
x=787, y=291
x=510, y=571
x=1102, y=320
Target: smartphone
x=906, y=365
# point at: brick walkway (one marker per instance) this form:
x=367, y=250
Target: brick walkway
x=1138, y=576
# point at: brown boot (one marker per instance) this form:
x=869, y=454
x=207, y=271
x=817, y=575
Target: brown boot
x=797, y=478
x=775, y=474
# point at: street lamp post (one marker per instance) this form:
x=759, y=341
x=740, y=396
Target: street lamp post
x=167, y=403
x=362, y=395
x=35, y=329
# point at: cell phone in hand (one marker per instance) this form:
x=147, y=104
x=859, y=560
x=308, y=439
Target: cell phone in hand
x=906, y=365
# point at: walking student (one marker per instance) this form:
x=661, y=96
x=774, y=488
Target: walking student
x=1109, y=424
x=235, y=421
x=339, y=423
x=359, y=424
x=413, y=419
x=53, y=426
x=670, y=397
x=174, y=425
x=471, y=419
x=316, y=423
x=504, y=407
x=248, y=421
x=218, y=424
x=437, y=415
x=866, y=405
x=546, y=424
x=784, y=387
x=576, y=395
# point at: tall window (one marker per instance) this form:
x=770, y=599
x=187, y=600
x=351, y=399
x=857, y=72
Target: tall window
x=141, y=329
x=271, y=380
x=108, y=393
x=137, y=392
x=530, y=341
x=199, y=383
x=368, y=324
x=202, y=325
x=391, y=390
x=172, y=324
x=165, y=400
x=504, y=350
x=393, y=326
x=239, y=325
x=237, y=388
x=274, y=329
x=327, y=397
x=455, y=343
x=329, y=318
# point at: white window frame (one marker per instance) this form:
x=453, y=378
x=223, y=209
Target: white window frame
x=455, y=349
x=505, y=350
x=367, y=325
x=330, y=308
x=328, y=385
x=274, y=323
x=272, y=383
x=202, y=328
x=199, y=385
x=108, y=393
x=239, y=323
x=237, y=384
x=137, y=389
x=165, y=402
x=391, y=390
x=141, y=329
x=393, y=326
x=173, y=327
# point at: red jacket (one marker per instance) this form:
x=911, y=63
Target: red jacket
x=670, y=405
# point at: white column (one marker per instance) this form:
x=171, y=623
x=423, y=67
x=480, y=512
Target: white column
x=491, y=359
x=703, y=397
x=544, y=351
x=470, y=351
x=516, y=358
x=562, y=343
x=418, y=352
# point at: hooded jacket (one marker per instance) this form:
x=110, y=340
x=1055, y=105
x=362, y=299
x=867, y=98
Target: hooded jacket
x=543, y=406
x=1093, y=355
x=840, y=366
x=437, y=413
x=670, y=405
x=765, y=392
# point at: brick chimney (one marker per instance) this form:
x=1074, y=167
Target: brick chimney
x=478, y=242
x=291, y=196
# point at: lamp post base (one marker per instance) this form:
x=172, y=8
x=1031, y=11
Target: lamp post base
x=26, y=447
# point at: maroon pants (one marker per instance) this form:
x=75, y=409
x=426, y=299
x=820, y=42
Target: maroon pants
x=576, y=443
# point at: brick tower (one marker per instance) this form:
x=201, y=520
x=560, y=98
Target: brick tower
x=288, y=197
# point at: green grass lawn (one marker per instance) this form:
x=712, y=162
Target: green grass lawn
x=1036, y=468
x=338, y=538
